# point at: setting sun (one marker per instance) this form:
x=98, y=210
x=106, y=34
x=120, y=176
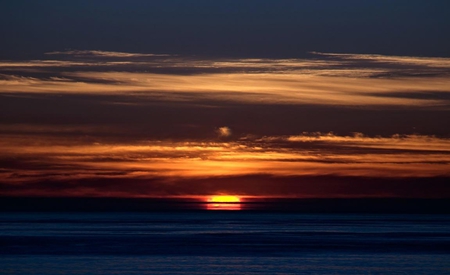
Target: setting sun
x=224, y=199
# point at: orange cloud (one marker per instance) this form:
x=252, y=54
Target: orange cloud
x=61, y=158
x=328, y=81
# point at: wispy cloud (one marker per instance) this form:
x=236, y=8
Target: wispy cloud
x=88, y=53
x=249, y=88
x=285, y=81
x=430, y=62
x=317, y=154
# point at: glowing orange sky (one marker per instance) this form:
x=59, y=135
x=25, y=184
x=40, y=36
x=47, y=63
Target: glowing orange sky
x=130, y=129
x=224, y=199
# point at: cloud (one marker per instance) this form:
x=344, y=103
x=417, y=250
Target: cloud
x=331, y=79
x=322, y=64
x=248, y=88
x=95, y=53
x=407, y=142
x=62, y=158
x=224, y=132
x=430, y=62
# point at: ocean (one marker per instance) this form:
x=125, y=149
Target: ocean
x=223, y=242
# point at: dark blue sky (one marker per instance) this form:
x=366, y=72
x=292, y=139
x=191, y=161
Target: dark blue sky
x=266, y=28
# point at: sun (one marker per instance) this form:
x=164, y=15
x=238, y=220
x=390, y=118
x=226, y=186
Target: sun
x=224, y=199
x=223, y=202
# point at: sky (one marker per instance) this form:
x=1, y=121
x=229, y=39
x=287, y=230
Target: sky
x=298, y=99
x=233, y=28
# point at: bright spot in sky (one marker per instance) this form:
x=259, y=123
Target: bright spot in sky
x=223, y=202
x=224, y=198
x=224, y=132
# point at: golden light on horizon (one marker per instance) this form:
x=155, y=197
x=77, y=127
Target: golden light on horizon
x=224, y=199
x=224, y=202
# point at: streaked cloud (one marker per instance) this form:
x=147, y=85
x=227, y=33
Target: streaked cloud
x=305, y=154
x=430, y=62
x=98, y=53
x=249, y=88
x=285, y=81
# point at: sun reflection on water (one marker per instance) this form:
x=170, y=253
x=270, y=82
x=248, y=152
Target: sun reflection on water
x=223, y=206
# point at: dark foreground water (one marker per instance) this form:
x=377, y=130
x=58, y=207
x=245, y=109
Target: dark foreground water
x=216, y=242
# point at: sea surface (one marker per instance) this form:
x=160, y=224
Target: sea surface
x=223, y=242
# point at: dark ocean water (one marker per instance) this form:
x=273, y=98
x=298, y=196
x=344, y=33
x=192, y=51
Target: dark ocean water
x=223, y=242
